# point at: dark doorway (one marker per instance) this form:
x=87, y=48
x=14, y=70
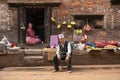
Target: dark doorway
x=36, y=17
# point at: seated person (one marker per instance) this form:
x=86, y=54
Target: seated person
x=5, y=41
x=30, y=36
x=63, y=53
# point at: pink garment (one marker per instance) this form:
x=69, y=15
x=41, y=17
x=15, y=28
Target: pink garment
x=53, y=41
x=30, y=33
x=31, y=38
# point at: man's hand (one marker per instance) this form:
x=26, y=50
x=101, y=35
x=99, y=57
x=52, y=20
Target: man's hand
x=59, y=57
x=67, y=58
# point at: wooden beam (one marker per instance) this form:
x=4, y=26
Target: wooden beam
x=33, y=1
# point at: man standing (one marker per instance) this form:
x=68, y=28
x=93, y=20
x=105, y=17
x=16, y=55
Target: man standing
x=63, y=52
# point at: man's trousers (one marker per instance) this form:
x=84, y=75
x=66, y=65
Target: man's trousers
x=63, y=57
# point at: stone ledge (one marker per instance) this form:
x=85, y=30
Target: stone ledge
x=85, y=52
x=78, y=52
x=4, y=52
x=13, y=51
x=74, y=67
x=31, y=50
x=33, y=57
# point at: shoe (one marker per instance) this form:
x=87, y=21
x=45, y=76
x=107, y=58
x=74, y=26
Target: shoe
x=69, y=71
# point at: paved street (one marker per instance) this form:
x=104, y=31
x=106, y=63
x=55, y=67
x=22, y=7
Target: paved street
x=45, y=73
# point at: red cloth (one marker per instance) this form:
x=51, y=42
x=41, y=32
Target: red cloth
x=84, y=37
x=112, y=43
x=100, y=44
x=13, y=44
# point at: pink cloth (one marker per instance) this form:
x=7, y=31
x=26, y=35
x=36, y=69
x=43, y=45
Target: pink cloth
x=31, y=38
x=30, y=33
x=53, y=41
x=112, y=43
x=84, y=37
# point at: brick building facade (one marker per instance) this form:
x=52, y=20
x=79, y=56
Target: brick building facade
x=103, y=17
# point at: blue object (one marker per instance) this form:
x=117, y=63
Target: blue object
x=90, y=44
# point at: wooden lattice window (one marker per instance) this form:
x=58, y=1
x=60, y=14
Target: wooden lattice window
x=115, y=2
x=95, y=21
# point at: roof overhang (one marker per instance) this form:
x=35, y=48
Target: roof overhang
x=34, y=2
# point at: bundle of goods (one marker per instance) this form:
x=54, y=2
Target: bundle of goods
x=90, y=44
x=112, y=43
x=100, y=44
x=110, y=47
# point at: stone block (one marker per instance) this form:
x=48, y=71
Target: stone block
x=13, y=51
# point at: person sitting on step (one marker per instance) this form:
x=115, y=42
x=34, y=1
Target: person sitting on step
x=63, y=52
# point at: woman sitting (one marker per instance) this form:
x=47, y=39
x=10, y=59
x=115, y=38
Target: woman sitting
x=30, y=36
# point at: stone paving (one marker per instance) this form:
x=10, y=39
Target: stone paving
x=87, y=72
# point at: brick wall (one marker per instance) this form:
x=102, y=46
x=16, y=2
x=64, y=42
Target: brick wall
x=8, y=22
x=66, y=11
x=10, y=60
x=111, y=23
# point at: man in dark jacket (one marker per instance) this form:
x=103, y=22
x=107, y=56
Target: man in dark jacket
x=63, y=53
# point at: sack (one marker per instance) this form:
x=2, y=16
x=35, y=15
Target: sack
x=100, y=44
x=112, y=43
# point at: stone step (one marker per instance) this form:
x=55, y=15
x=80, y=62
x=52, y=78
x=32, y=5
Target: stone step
x=33, y=58
x=34, y=46
x=34, y=54
x=31, y=50
x=38, y=52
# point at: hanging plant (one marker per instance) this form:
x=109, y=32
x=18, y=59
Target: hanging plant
x=69, y=26
x=64, y=22
x=87, y=27
x=59, y=26
x=73, y=23
x=53, y=19
x=79, y=31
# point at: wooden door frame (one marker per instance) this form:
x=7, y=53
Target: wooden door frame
x=22, y=23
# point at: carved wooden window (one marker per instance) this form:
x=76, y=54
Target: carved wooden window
x=115, y=2
x=95, y=21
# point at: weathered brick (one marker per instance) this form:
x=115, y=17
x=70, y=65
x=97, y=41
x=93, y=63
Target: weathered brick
x=66, y=11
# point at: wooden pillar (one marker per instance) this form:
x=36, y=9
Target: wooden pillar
x=22, y=24
x=47, y=24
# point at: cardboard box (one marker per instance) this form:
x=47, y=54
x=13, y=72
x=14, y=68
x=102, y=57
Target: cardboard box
x=50, y=52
